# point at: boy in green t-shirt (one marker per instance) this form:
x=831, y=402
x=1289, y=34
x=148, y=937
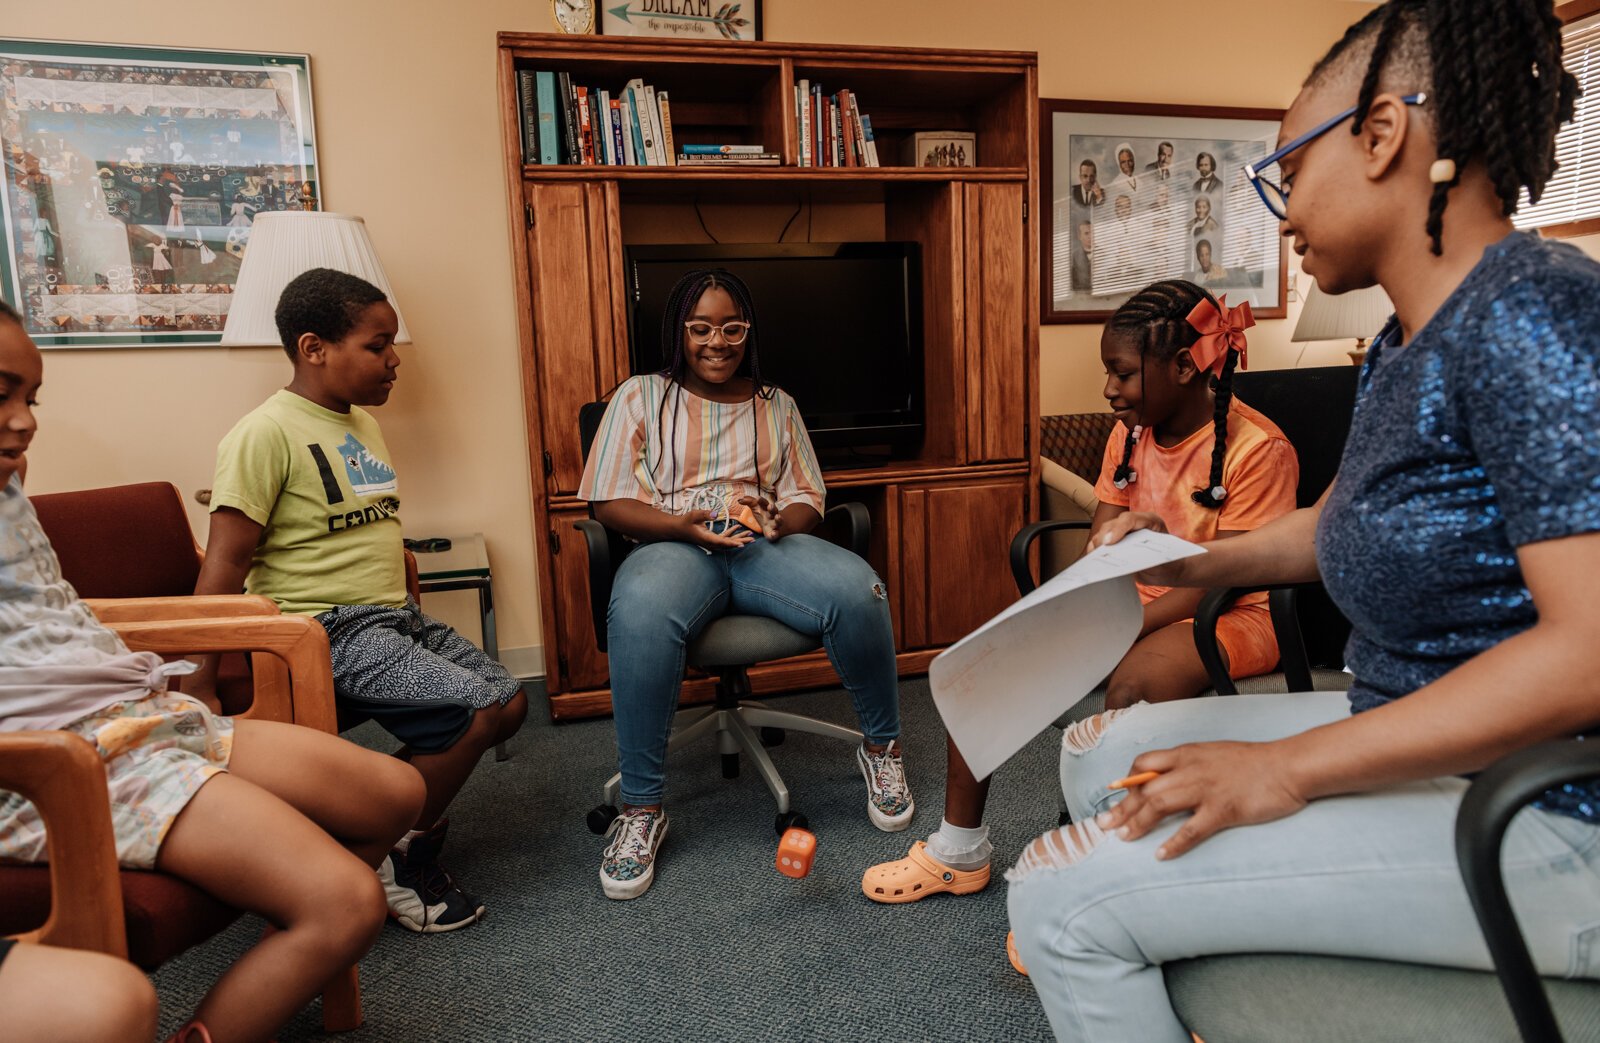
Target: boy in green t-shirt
x=305, y=510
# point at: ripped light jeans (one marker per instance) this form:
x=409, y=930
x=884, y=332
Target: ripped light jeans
x=666, y=593
x=1371, y=875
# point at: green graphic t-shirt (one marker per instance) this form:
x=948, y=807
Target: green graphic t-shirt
x=321, y=484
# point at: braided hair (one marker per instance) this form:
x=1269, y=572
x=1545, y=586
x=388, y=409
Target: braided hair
x=1495, y=83
x=681, y=301
x=1157, y=317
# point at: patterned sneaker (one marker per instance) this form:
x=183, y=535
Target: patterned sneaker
x=630, y=861
x=889, y=803
x=422, y=896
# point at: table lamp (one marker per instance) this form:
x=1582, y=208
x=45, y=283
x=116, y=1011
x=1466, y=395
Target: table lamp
x=284, y=244
x=1359, y=314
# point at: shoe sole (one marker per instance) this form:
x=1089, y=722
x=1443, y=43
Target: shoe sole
x=891, y=823
x=623, y=890
x=433, y=928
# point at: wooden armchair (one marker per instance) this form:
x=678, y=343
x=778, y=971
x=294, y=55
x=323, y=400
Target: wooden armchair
x=81, y=899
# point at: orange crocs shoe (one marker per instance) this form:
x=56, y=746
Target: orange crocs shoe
x=1013, y=955
x=919, y=875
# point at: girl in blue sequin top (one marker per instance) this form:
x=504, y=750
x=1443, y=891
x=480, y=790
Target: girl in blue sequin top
x=1461, y=537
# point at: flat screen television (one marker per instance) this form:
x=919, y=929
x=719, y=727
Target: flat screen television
x=840, y=329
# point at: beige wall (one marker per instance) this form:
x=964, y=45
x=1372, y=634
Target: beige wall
x=405, y=101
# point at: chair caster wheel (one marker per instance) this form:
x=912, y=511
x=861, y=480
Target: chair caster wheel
x=600, y=818
x=772, y=736
x=788, y=820
x=730, y=765
x=797, y=845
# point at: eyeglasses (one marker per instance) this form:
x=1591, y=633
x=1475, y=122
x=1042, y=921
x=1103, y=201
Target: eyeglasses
x=732, y=332
x=1275, y=194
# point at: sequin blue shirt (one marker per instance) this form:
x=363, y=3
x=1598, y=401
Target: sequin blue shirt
x=1478, y=437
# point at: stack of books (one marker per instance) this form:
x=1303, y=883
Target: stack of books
x=834, y=132
x=727, y=156
x=568, y=123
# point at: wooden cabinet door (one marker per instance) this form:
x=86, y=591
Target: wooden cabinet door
x=996, y=327
x=579, y=327
x=954, y=567
x=575, y=662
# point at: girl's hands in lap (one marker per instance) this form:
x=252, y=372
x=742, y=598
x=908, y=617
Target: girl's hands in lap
x=770, y=520
x=695, y=532
x=1224, y=784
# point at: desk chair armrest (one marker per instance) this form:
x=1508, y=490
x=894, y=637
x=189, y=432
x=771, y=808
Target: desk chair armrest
x=1023, y=541
x=298, y=686
x=1282, y=601
x=601, y=571
x=413, y=577
x=62, y=775
x=852, y=524
x=1493, y=799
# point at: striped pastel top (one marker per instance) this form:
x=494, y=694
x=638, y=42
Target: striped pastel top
x=662, y=444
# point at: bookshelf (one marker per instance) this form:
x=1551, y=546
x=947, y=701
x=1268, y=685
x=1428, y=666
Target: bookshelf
x=943, y=518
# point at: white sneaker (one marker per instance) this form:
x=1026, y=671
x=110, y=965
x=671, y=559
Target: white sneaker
x=889, y=802
x=629, y=866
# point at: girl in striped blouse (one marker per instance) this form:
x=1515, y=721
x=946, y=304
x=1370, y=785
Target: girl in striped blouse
x=679, y=457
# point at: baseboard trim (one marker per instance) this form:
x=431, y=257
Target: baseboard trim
x=526, y=662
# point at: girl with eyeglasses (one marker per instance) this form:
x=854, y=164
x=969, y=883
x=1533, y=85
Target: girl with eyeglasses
x=710, y=470
x=1461, y=538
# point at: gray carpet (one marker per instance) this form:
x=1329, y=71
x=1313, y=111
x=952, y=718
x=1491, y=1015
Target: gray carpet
x=723, y=947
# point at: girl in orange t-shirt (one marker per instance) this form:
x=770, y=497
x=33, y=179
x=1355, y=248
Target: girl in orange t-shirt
x=1184, y=458
x=1185, y=450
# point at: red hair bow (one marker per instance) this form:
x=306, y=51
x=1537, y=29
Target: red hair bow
x=1221, y=328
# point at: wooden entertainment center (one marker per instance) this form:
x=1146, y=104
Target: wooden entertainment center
x=943, y=518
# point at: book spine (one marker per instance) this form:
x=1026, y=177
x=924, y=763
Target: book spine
x=528, y=110
x=817, y=157
x=847, y=126
x=549, y=148
x=602, y=129
x=827, y=130
x=858, y=132
x=626, y=114
x=805, y=123
x=585, y=126
x=641, y=155
x=839, y=133
x=720, y=150
x=569, y=121
x=618, y=142
x=870, y=141
x=729, y=157
x=651, y=115
x=666, y=130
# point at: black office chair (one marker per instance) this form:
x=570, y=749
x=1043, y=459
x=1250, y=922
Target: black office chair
x=1270, y=997
x=727, y=647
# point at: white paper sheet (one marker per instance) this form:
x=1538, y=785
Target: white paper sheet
x=1005, y=682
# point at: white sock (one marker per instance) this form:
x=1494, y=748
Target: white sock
x=959, y=847
x=404, y=843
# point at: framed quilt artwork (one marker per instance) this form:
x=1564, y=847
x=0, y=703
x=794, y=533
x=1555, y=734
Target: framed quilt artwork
x=132, y=176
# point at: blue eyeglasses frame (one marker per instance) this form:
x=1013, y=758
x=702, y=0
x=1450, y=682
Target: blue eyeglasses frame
x=1276, y=196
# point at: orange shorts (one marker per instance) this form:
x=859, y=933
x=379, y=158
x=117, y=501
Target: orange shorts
x=1245, y=633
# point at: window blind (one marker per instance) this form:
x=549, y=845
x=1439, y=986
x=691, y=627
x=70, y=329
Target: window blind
x=1574, y=193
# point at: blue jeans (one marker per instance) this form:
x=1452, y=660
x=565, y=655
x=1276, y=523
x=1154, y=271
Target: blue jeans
x=1371, y=875
x=666, y=593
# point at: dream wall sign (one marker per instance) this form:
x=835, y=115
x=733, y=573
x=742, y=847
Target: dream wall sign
x=683, y=19
x=132, y=176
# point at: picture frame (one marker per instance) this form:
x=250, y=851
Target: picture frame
x=730, y=20
x=941, y=148
x=1132, y=193
x=132, y=175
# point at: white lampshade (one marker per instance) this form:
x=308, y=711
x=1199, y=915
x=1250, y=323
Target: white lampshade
x=287, y=243
x=1359, y=313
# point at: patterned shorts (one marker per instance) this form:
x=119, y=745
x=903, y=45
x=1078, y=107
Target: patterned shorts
x=158, y=752
x=414, y=675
